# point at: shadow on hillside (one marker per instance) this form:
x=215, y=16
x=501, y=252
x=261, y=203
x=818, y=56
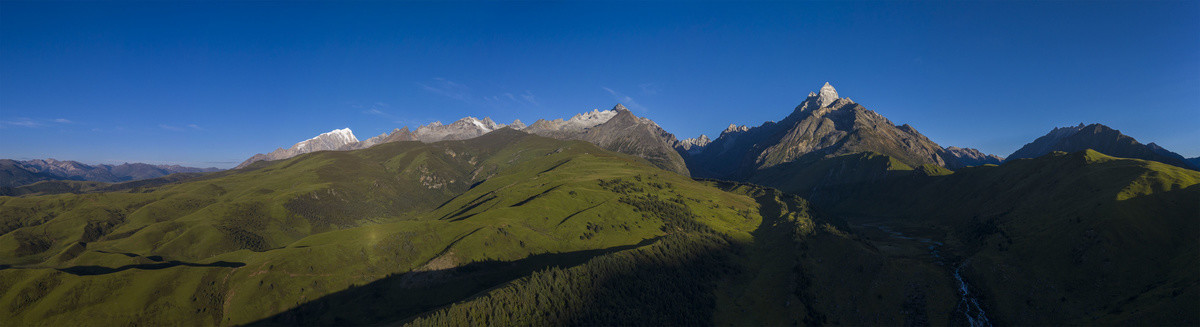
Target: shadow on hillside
x=99, y=270
x=404, y=296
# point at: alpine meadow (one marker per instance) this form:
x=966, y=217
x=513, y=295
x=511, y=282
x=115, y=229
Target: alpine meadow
x=807, y=208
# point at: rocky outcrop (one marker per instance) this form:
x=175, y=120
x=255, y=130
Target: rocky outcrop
x=568, y=129
x=733, y=128
x=465, y=128
x=693, y=145
x=617, y=130
x=973, y=157
x=1102, y=139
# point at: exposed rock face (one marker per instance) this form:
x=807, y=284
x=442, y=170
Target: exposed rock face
x=822, y=125
x=381, y=138
x=693, y=145
x=332, y=140
x=16, y=173
x=1101, y=139
x=617, y=130
x=465, y=128
x=973, y=157
x=517, y=124
x=827, y=95
x=734, y=129
x=567, y=129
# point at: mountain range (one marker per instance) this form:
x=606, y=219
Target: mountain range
x=823, y=125
x=15, y=173
x=616, y=129
x=834, y=215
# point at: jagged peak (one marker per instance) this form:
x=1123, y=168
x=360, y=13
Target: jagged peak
x=695, y=144
x=589, y=119
x=344, y=133
x=490, y=123
x=619, y=107
x=700, y=140
x=517, y=124
x=734, y=128
x=486, y=124
x=827, y=95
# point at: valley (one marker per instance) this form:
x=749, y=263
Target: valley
x=599, y=163
x=832, y=217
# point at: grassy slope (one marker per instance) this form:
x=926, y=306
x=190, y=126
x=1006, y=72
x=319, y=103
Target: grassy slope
x=784, y=265
x=378, y=216
x=500, y=229
x=1078, y=238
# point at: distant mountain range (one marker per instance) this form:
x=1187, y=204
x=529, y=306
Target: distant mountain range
x=616, y=130
x=824, y=125
x=22, y=172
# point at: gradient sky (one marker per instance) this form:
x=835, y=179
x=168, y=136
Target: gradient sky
x=212, y=83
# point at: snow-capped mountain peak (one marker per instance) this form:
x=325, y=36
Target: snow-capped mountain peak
x=327, y=141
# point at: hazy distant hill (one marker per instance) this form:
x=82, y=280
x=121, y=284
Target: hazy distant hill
x=1102, y=139
x=15, y=173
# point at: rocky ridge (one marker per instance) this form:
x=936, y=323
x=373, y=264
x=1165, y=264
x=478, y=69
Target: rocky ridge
x=973, y=157
x=1100, y=138
x=693, y=145
x=616, y=129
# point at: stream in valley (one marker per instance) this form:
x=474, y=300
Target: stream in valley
x=968, y=304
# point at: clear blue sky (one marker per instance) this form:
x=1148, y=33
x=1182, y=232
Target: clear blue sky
x=212, y=83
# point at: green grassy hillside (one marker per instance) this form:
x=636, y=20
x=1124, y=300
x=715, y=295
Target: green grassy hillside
x=787, y=266
x=1078, y=238
x=211, y=250
x=505, y=228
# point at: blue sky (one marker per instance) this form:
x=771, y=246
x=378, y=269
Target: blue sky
x=212, y=83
